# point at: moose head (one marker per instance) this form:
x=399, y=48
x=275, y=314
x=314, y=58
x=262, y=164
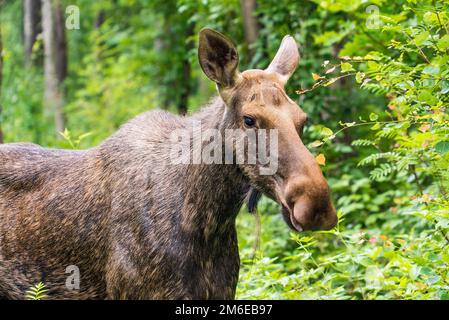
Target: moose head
x=256, y=99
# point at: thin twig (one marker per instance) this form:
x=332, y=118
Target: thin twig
x=441, y=24
x=323, y=82
x=422, y=54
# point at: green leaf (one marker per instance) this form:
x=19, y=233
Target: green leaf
x=432, y=70
x=444, y=295
x=443, y=43
x=37, y=292
x=376, y=253
x=359, y=77
x=329, y=37
x=330, y=82
x=420, y=38
x=326, y=132
x=346, y=67
x=362, y=143
x=316, y=144
x=442, y=147
x=430, y=18
x=445, y=87
x=427, y=97
x=373, y=116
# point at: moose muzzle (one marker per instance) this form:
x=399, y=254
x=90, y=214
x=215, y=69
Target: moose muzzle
x=306, y=197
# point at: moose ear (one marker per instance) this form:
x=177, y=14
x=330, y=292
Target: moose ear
x=286, y=59
x=218, y=58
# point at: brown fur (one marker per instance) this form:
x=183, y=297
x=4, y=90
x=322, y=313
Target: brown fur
x=137, y=226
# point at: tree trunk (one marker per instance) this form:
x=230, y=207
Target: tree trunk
x=187, y=74
x=55, y=60
x=161, y=46
x=31, y=16
x=61, y=43
x=250, y=24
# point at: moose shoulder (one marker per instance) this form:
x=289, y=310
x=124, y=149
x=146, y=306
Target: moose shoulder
x=138, y=225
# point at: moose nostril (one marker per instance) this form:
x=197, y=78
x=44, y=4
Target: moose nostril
x=313, y=213
x=309, y=203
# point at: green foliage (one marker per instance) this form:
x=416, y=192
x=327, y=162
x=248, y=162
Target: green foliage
x=22, y=116
x=391, y=242
x=37, y=292
x=70, y=142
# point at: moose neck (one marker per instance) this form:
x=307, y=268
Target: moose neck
x=215, y=192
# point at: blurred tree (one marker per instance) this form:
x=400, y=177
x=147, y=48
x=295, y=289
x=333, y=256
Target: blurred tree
x=61, y=44
x=250, y=24
x=55, y=59
x=174, y=44
x=31, y=27
x=186, y=72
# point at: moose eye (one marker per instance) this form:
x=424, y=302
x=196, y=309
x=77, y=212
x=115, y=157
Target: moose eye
x=249, y=122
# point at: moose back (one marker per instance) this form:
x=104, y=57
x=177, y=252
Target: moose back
x=135, y=224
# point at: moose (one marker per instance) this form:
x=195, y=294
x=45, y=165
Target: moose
x=138, y=226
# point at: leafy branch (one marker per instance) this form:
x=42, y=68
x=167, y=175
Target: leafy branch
x=37, y=292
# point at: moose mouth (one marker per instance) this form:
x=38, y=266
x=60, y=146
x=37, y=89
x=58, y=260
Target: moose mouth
x=253, y=198
x=290, y=220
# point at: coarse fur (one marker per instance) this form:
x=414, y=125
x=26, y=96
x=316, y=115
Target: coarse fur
x=113, y=212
